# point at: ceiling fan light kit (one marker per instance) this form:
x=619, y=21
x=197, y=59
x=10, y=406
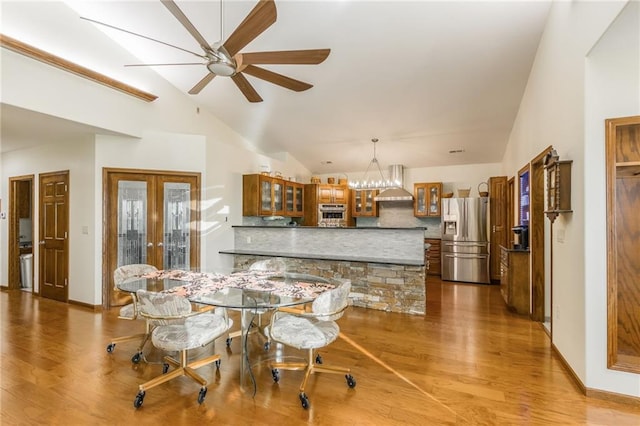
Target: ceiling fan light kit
x=225, y=60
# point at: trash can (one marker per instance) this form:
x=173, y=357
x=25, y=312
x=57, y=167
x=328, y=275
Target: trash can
x=26, y=270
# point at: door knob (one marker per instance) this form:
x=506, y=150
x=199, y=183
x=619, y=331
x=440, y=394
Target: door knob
x=160, y=244
x=41, y=242
x=149, y=244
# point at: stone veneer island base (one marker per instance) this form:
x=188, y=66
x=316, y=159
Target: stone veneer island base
x=385, y=287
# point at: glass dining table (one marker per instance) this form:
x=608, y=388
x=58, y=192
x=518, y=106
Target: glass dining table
x=246, y=291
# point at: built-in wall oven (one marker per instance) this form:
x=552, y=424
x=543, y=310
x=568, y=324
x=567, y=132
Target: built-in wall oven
x=332, y=215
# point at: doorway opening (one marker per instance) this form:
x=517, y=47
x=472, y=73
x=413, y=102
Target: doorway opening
x=21, y=247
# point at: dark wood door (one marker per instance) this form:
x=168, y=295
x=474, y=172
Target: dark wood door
x=497, y=222
x=54, y=233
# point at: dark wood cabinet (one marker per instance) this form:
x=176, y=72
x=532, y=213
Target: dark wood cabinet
x=514, y=280
x=427, y=199
x=623, y=243
x=433, y=256
x=498, y=223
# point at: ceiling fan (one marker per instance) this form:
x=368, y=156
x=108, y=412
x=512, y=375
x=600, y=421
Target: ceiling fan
x=225, y=60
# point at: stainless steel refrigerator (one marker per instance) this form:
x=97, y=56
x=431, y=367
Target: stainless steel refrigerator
x=465, y=247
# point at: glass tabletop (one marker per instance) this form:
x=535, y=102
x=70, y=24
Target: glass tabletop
x=150, y=284
x=240, y=289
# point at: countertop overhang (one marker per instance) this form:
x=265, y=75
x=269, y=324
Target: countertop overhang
x=336, y=257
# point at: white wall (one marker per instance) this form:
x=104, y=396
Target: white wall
x=168, y=134
x=76, y=157
x=552, y=112
x=612, y=89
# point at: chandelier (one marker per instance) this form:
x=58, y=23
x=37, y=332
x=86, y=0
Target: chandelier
x=375, y=182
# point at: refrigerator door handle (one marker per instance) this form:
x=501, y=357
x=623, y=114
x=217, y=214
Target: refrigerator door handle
x=467, y=256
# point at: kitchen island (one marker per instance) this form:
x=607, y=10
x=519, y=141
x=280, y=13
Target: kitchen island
x=385, y=265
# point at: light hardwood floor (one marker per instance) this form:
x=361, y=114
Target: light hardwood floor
x=467, y=361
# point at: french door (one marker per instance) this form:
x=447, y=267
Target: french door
x=151, y=217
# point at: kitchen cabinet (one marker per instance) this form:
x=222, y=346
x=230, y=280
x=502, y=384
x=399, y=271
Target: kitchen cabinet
x=316, y=194
x=514, y=279
x=498, y=223
x=332, y=194
x=293, y=199
x=427, y=199
x=363, y=203
x=433, y=256
x=622, y=161
x=262, y=195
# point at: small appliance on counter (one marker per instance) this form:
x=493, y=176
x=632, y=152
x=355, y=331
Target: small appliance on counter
x=521, y=241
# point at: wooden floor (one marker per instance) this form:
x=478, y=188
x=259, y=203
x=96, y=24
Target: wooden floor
x=467, y=361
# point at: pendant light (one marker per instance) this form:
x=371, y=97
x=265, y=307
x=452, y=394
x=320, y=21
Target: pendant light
x=375, y=182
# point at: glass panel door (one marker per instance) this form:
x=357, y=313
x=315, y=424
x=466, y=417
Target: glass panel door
x=150, y=218
x=132, y=222
x=177, y=220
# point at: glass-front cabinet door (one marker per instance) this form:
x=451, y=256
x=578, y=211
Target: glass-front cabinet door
x=434, y=199
x=152, y=219
x=271, y=196
x=427, y=199
x=293, y=195
x=363, y=202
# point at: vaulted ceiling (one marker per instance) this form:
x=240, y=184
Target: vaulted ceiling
x=424, y=77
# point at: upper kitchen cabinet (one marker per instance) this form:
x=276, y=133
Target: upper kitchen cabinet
x=262, y=195
x=363, y=203
x=330, y=193
x=427, y=199
x=293, y=199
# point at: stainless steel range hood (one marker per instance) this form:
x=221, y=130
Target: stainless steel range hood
x=398, y=193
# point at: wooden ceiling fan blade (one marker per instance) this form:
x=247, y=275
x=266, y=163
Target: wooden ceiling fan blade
x=143, y=36
x=289, y=57
x=259, y=19
x=246, y=88
x=201, y=84
x=162, y=65
x=186, y=23
x=275, y=78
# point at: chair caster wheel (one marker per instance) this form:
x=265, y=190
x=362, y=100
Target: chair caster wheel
x=218, y=362
x=229, y=339
x=276, y=375
x=318, y=359
x=111, y=347
x=165, y=368
x=267, y=346
x=304, y=400
x=137, y=403
x=136, y=358
x=202, y=395
x=351, y=382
